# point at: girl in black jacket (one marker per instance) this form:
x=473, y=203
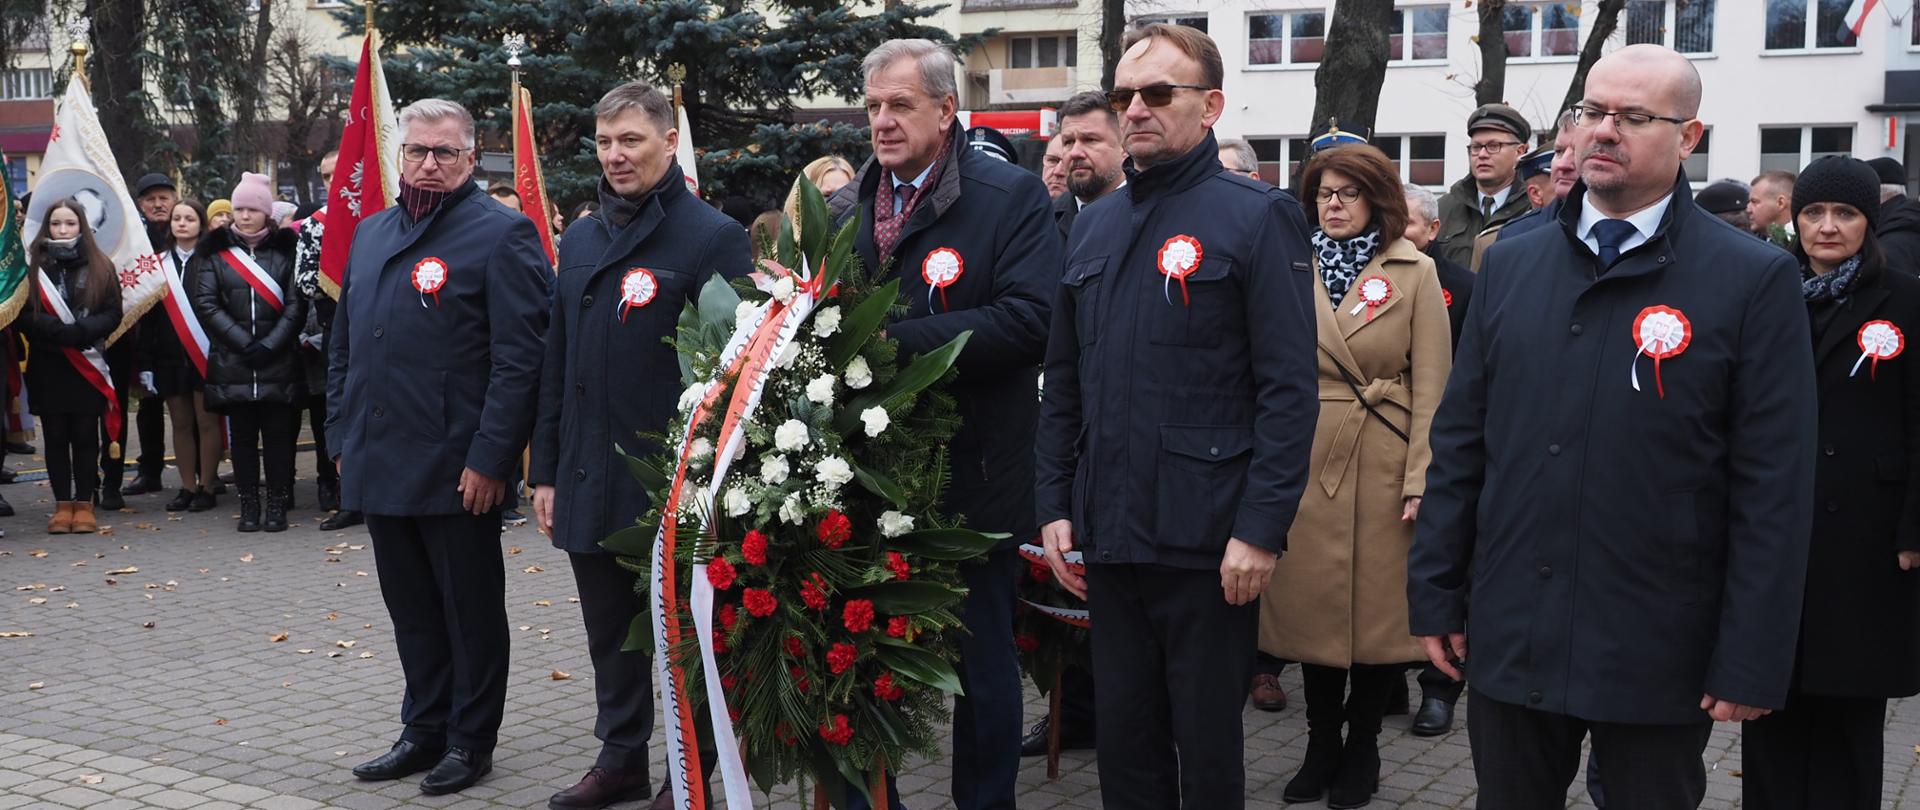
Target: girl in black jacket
x=67, y=266
x=171, y=373
x=243, y=291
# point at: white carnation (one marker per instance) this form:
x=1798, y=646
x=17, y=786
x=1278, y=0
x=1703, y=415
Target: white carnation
x=773, y=470
x=834, y=471
x=821, y=389
x=783, y=289
x=790, y=436
x=737, y=502
x=746, y=312
x=787, y=355
x=894, y=524
x=792, y=510
x=701, y=448
x=858, y=374
x=876, y=419
x=826, y=321
x=690, y=398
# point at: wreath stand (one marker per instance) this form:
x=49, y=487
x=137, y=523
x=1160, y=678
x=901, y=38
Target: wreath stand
x=1053, y=727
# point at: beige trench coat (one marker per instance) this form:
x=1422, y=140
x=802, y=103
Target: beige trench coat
x=1339, y=594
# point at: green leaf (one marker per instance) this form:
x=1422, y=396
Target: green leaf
x=787, y=253
x=814, y=224
x=633, y=541
x=857, y=326
x=921, y=666
x=718, y=301
x=908, y=597
x=639, y=635
x=956, y=545
x=651, y=478
x=840, y=256
x=880, y=485
x=925, y=370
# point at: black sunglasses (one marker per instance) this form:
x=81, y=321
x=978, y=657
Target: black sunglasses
x=1155, y=95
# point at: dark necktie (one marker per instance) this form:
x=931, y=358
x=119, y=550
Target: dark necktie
x=1610, y=234
x=1486, y=207
x=903, y=194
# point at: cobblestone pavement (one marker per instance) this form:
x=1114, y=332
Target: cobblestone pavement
x=175, y=663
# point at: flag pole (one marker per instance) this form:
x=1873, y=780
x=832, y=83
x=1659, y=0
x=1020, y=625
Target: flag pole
x=514, y=45
x=677, y=74
x=79, y=29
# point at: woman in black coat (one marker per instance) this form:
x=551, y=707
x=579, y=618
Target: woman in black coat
x=1860, y=624
x=167, y=368
x=244, y=292
x=68, y=266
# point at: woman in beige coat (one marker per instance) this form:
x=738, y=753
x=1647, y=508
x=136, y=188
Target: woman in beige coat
x=1338, y=599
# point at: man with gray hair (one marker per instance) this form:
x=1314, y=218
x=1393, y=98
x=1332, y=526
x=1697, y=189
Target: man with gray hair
x=1423, y=230
x=1237, y=156
x=433, y=375
x=972, y=243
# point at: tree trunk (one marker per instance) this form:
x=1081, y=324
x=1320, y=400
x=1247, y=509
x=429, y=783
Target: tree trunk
x=1113, y=27
x=115, y=82
x=1347, y=83
x=1605, y=22
x=247, y=95
x=1492, y=87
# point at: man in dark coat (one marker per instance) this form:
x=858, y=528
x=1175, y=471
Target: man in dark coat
x=932, y=211
x=1175, y=429
x=154, y=194
x=1090, y=134
x=1625, y=554
x=608, y=379
x=1423, y=228
x=1494, y=193
x=431, y=390
x=1899, y=229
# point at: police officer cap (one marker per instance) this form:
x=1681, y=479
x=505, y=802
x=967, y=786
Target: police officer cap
x=151, y=181
x=989, y=141
x=1723, y=197
x=1331, y=135
x=1503, y=118
x=1536, y=163
x=1890, y=171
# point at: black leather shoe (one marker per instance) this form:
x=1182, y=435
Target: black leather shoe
x=458, y=770
x=8, y=476
x=21, y=448
x=143, y=484
x=329, y=490
x=341, y=520
x=1035, y=743
x=1435, y=718
x=202, y=501
x=182, y=500
x=6, y=509
x=601, y=788
x=109, y=498
x=406, y=758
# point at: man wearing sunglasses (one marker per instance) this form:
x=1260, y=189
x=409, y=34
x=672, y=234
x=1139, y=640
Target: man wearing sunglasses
x=1497, y=135
x=1175, y=428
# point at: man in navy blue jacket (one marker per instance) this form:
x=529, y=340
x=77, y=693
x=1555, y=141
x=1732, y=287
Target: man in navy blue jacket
x=626, y=272
x=974, y=244
x=1178, y=416
x=430, y=396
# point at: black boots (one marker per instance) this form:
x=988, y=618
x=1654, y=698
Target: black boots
x=1367, y=704
x=277, y=500
x=1324, y=688
x=249, y=507
x=109, y=497
x=329, y=494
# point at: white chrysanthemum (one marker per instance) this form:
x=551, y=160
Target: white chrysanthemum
x=773, y=470
x=894, y=524
x=787, y=355
x=859, y=375
x=692, y=396
x=783, y=290
x=793, y=510
x=746, y=312
x=876, y=420
x=701, y=448
x=820, y=389
x=790, y=436
x=834, y=471
x=737, y=502
x=826, y=321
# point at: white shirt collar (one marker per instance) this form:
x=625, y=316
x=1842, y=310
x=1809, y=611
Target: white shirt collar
x=1080, y=203
x=1499, y=198
x=1644, y=222
x=915, y=182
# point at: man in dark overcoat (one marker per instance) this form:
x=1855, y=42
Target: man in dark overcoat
x=1618, y=505
x=626, y=272
x=431, y=388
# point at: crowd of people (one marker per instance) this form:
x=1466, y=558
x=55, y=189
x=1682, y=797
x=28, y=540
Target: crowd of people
x=1347, y=425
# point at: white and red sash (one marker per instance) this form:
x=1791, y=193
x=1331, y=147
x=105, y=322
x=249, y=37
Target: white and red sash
x=257, y=278
x=92, y=366
x=180, y=312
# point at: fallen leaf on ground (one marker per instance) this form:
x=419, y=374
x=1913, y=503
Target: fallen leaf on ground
x=561, y=676
x=91, y=779
x=334, y=654
x=38, y=600
x=512, y=551
x=112, y=581
x=526, y=627
x=219, y=721
x=367, y=626
x=15, y=634
x=148, y=625
x=56, y=589
x=35, y=686
x=37, y=586
x=278, y=637
x=172, y=584
x=543, y=603
x=143, y=525
x=1737, y=773
x=121, y=572
x=357, y=574
x=356, y=548
x=533, y=569
x=303, y=652
x=366, y=655
x=73, y=604
x=339, y=753
x=248, y=557
x=38, y=552
x=573, y=600
x=106, y=531
x=332, y=616
x=345, y=644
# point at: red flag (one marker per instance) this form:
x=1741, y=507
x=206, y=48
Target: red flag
x=365, y=181
x=526, y=172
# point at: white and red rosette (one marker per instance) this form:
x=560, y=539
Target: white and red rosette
x=429, y=275
x=1179, y=256
x=1373, y=292
x=940, y=269
x=1662, y=333
x=1446, y=297
x=637, y=289
x=1879, y=340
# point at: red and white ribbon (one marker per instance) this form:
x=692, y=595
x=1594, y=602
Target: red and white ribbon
x=637, y=289
x=940, y=269
x=193, y=338
x=1078, y=618
x=1075, y=560
x=255, y=277
x=1662, y=333
x=1373, y=293
x=1879, y=340
x=429, y=275
x=91, y=365
x=1178, y=258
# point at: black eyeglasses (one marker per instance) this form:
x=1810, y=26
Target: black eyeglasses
x=443, y=155
x=1155, y=95
x=1347, y=194
x=1586, y=117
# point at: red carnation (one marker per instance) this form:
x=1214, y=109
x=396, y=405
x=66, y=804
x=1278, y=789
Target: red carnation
x=754, y=547
x=898, y=626
x=838, y=731
x=727, y=682
x=813, y=591
x=840, y=657
x=720, y=642
x=720, y=573
x=858, y=615
x=834, y=529
x=1040, y=572
x=1026, y=643
x=733, y=713
x=800, y=682
x=728, y=616
x=759, y=603
x=784, y=734
x=793, y=647
x=885, y=689
x=898, y=565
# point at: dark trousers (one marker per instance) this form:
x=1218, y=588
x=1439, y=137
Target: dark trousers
x=323, y=468
x=1822, y=752
x=152, y=424
x=1174, y=660
x=71, y=441
x=1526, y=759
x=263, y=428
x=445, y=589
x=622, y=681
x=1361, y=709
x=1076, y=701
x=113, y=469
x=1437, y=684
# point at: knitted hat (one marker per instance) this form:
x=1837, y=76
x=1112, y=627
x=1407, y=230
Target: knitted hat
x=253, y=192
x=1841, y=179
x=218, y=207
x=1723, y=197
x=1890, y=171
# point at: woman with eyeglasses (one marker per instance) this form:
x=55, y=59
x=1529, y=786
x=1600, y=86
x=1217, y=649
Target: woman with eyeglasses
x=1337, y=602
x=1859, y=639
x=244, y=293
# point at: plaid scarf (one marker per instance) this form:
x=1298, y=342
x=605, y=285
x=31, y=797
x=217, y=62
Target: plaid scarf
x=886, y=224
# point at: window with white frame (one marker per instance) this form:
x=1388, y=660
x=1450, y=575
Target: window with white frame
x=1041, y=52
x=1194, y=21
x=1789, y=148
x=1286, y=38
x=1422, y=158
x=1542, y=29
x=1683, y=25
x=1419, y=33
x=1696, y=163
x=1280, y=158
x=21, y=84
x=1794, y=25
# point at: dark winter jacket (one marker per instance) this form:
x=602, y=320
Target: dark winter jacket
x=54, y=386
x=1461, y=219
x=1456, y=281
x=1899, y=234
x=237, y=317
x=158, y=346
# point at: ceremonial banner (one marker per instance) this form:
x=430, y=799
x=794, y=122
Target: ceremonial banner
x=13, y=260
x=684, y=154
x=79, y=166
x=367, y=178
x=527, y=181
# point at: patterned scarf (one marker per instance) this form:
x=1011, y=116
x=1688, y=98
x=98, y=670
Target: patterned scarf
x=1341, y=260
x=420, y=202
x=1834, y=286
x=886, y=224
